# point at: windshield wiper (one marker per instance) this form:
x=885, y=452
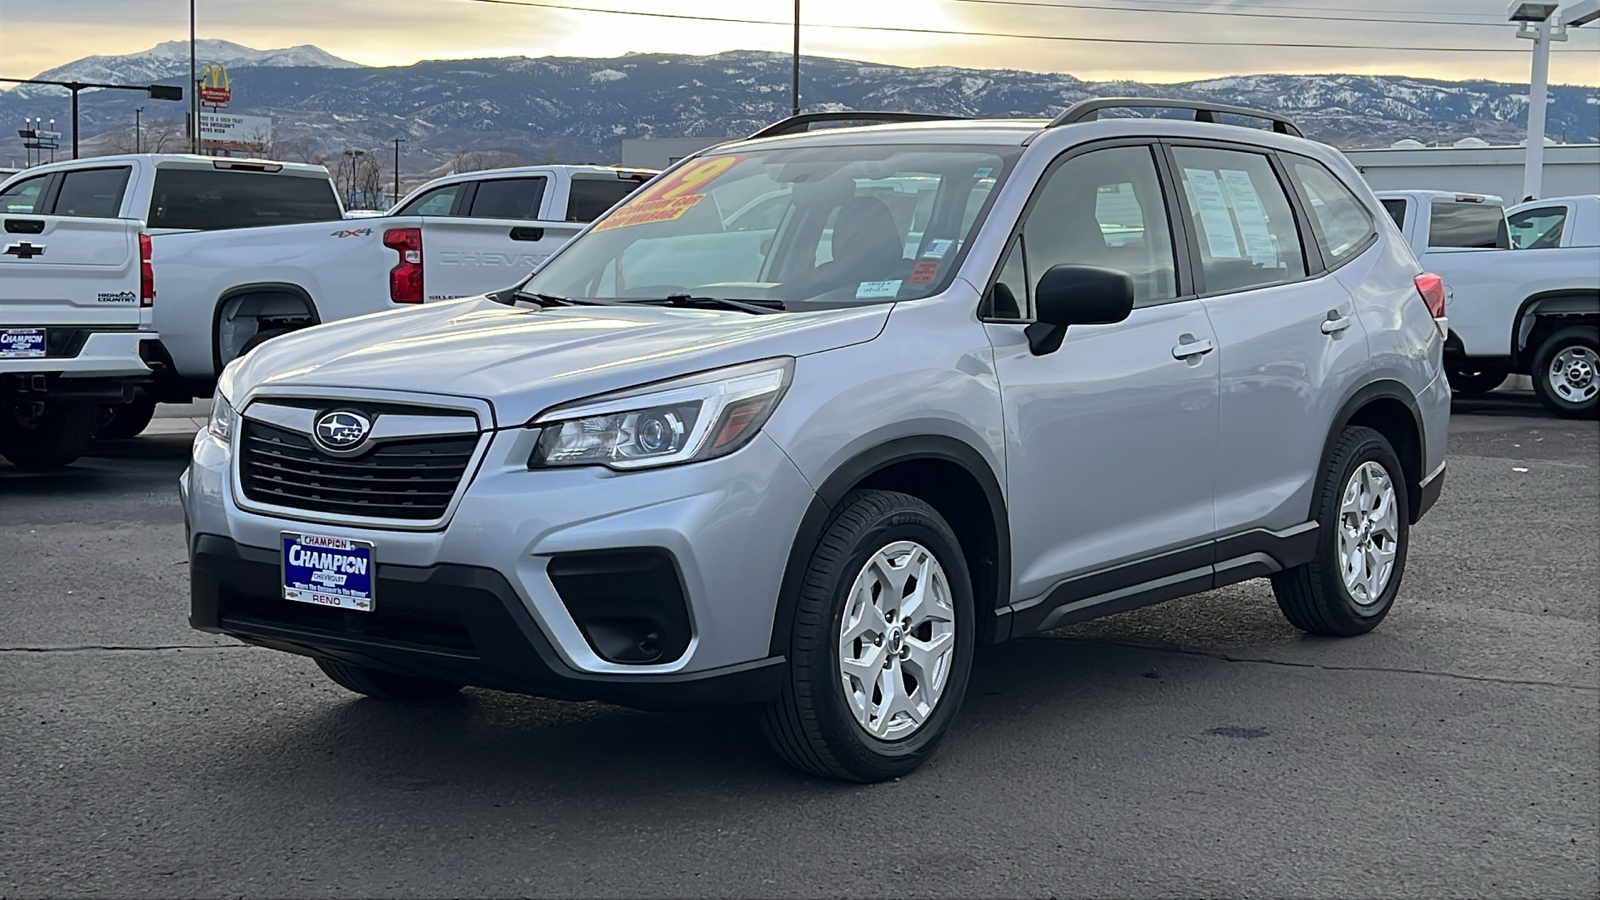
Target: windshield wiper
x=756, y=307
x=547, y=300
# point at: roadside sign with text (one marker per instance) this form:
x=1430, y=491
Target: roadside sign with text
x=215, y=88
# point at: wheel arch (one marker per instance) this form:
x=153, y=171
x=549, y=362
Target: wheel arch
x=1389, y=408
x=1546, y=312
x=952, y=477
x=285, y=295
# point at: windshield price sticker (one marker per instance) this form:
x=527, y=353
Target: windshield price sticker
x=926, y=272
x=327, y=571
x=671, y=197
x=937, y=249
x=869, y=290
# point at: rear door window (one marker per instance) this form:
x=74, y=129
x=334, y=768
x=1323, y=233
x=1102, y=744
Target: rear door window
x=92, y=193
x=1537, y=229
x=437, y=202
x=1241, y=218
x=508, y=198
x=23, y=197
x=216, y=199
x=591, y=197
x=1340, y=220
x=1469, y=225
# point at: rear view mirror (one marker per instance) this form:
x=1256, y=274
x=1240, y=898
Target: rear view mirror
x=1077, y=295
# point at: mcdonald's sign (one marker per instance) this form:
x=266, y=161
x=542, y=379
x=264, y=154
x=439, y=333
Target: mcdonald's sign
x=215, y=88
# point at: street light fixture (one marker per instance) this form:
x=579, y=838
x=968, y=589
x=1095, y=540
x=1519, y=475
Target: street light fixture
x=153, y=91
x=1540, y=23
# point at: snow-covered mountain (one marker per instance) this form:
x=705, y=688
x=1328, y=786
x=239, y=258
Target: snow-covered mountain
x=171, y=59
x=580, y=109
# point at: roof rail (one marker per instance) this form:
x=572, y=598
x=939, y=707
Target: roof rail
x=803, y=122
x=1089, y=110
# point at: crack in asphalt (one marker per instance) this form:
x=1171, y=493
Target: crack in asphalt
x=113, y=648
x=1224, y=657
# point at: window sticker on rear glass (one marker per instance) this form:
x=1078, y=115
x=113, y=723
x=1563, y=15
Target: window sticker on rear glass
x=1206, y=193
x=1251, y=216
x=869, y=290
x=671, y=197
x=937, y=249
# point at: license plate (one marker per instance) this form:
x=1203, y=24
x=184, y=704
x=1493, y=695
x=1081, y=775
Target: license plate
x=327, y=571
x=21, y=343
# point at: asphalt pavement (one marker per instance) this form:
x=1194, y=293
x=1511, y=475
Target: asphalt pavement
x=1199, y=748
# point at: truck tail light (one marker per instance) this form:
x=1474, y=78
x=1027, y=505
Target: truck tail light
x=405, y=279
x=1431, y=287
x=147, y=273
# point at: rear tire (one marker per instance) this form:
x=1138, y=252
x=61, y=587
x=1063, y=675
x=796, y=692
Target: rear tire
x=126, y=420
x=1566, y=372
x=1470, y=379
x=385, y=685
x=52, y=439
x=1363, y=517
x=886, y=607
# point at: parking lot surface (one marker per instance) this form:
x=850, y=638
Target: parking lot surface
x=1200, y=748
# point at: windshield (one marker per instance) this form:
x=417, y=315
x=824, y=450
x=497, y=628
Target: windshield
x=822, y=225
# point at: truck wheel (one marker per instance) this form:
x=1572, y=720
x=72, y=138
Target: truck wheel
x=1364, y=529
x=125, y=420
x=49, y=439
x=1566, y=372
x=261, y=337
x=385, y=685
x=1472, y=379
x=880, y=646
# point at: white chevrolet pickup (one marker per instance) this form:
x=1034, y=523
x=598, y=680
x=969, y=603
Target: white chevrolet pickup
x=1532, y=311
x=250, y=249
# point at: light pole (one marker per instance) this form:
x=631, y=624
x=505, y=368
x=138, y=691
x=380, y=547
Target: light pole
x=794, y=85
x=1539, y=22
x=138, y=146
x=350, y=161
x=153, y=91
x=194, y=79
x=397, y=142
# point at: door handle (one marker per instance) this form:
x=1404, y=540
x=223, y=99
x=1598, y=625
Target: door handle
x=1189, y=347
x=1335, y=323
x=524, y=233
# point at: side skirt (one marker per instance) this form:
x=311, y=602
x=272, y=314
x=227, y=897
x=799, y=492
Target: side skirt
x=1251, y=554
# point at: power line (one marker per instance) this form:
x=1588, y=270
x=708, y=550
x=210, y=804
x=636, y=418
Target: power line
x=1212, y=4
x=1234, y=15
x=996, y=34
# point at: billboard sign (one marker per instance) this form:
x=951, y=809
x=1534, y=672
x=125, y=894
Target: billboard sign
x=224, y=129
x=215, y=88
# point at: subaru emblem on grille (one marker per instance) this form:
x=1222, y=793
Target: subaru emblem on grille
x=341, y=430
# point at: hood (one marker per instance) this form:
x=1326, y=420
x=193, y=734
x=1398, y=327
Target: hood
x=525, y=360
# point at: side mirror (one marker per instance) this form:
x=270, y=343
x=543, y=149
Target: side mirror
x=1077, y=295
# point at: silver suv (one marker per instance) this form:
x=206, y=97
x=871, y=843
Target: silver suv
x=814, y=413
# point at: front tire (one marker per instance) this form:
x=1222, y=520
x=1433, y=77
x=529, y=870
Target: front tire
x=881, y=643
x=49, y=439
x=1363, y=517
x=1566, y=372
x=385, y=685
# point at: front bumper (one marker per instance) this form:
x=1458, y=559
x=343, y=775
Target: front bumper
x=474, y=601
x=457, y=623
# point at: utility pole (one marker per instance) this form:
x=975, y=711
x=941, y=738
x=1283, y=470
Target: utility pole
x=794, y=85
x=194, y=81
x=397, y=142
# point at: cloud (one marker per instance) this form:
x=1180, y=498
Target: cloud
x=35, y=36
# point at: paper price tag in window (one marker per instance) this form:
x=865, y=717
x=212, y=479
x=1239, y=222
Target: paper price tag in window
x=1212, y=206
x=871, y=290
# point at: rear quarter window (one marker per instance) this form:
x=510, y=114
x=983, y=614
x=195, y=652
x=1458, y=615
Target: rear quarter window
x=212, y=200
x=1468, y=225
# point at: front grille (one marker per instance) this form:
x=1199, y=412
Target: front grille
x=409, y=479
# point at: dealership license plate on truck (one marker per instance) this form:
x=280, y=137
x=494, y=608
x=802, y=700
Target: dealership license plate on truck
x=327, y=571
x=21, y=343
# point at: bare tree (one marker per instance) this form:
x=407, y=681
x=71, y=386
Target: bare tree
x=550, y=156
x=155, y=136
x=359, y=175
x=478, y=160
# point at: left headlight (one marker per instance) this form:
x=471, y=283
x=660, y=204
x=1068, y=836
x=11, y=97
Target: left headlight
x=683, y=420
x=223, y=418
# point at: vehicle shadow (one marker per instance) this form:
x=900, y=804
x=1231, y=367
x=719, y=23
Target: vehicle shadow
x=1521, y=404
x=109, y=466
x=544, y=752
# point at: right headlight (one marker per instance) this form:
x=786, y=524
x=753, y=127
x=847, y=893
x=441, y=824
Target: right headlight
x=223, y=417
x=686, y=419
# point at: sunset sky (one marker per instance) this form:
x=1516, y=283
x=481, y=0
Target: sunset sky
x=38, y=34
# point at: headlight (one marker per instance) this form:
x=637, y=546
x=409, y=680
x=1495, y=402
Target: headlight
x=222, y=418
x=683, y=420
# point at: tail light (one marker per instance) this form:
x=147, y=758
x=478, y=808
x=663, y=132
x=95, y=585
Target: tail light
x=147, y=273
x=405, y=279
x=1431, y=287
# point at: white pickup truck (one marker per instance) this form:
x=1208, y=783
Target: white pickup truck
x=247, y=249
x=1532, y=311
